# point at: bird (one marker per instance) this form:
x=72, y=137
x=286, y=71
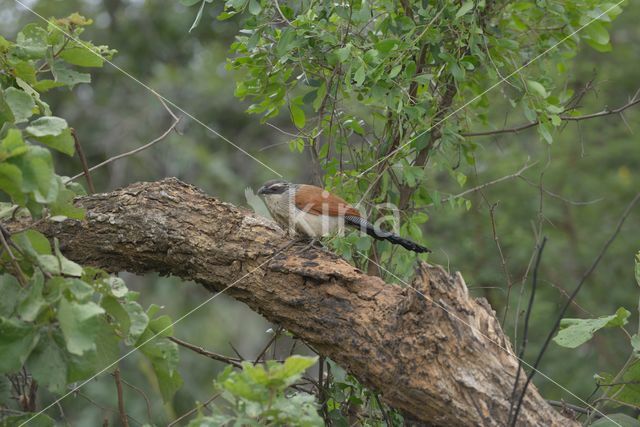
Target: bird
x=314, y=212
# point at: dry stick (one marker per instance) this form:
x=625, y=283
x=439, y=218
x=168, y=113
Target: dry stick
x=175, y=122
x=211, y=355
x=191, y=411
x=525, y=333
x=142, y=393
x=121, y=409
x=83, y=161
x=573, y=295
x=606, y=112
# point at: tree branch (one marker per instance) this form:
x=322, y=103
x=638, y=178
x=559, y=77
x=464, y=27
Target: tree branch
x=565, y=117
x=422, y=359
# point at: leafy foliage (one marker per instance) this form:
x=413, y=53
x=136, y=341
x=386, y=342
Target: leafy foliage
x=369, y=85
x=61, y=321
x=258, y=396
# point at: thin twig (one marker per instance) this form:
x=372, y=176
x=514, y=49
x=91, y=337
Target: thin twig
x=503, y=261
x=142, y=393
x=211, y=355
x=175, y=122
x=266, y=347
x=121, y=408
x=534, y=368
x=606, y=112
x=490, y=183
x=235, y=350
x=83, y=161
x=525, y=333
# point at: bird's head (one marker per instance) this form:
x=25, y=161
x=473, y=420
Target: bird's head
x=275, y=186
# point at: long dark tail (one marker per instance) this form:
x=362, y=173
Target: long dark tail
x=380, y=234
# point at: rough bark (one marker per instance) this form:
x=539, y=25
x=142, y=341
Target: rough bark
x=448, y=368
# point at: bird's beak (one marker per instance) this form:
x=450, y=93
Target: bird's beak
x=261, y=191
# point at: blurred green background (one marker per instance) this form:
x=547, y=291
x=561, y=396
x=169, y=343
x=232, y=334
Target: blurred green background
x=576, y=191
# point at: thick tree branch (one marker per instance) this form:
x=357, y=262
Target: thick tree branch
x=422, y=359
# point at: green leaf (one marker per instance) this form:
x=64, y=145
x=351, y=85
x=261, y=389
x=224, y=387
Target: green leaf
x=25, y=71
x=616, y=420
x=67, y=76
x=46, y=84
x=47, y=126
x=37, y=174
x=32, y=42
x=6, y=114
x=21, y=103
x=12, y=145
x=575, y=332
x=82, y=57
x=91, y=362
x=32, y=300
x=9, y=292
x=343, y=53
x=80, y=290
x=295, y=366
x=48, y=365
x=63, y=205
x=386, y=46
x=138, y=318
x=79, y=324
x=596, y=32
x=63, y=142
x=163, y=355
x=11, y=182
x=17, y=339
x=537, y=88
x=67, y=266
x=33, y=243
x=464, y=9
x=286, y=41
x=254, y=7
x=544, y=129
x=359, y=75
x=297, y=115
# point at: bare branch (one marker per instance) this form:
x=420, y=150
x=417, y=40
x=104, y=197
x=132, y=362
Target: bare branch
x=121, y=408
x=564, y=117
x=83, y=161
x=173, y=125
x=211, y=355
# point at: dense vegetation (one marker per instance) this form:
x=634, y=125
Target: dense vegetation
x=413, y=109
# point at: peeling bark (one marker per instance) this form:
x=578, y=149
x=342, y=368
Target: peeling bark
x=441, y=367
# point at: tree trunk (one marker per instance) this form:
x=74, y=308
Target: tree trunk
x=432, y=352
